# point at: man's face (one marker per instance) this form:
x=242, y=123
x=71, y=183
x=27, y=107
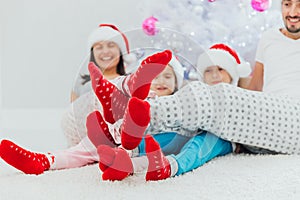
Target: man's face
x=291, y=15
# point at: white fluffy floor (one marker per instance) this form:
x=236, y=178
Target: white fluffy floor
x=230, y=177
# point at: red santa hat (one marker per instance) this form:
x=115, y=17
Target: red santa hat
x=109, y=32
x=226, y=58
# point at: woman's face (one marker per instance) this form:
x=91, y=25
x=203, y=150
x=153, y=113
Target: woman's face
x=165, y=83
x=215, y=74
x=107, y=55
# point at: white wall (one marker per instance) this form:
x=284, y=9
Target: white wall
x=42, y=44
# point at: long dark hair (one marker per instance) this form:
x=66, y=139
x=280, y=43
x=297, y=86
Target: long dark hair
x=120, y=68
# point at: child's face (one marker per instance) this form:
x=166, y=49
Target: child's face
x=107, y=55
x=214, y=75
x=165, y=83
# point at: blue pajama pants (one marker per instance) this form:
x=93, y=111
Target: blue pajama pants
x=190, y=153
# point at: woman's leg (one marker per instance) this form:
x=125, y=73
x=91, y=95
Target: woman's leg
x=232, y=113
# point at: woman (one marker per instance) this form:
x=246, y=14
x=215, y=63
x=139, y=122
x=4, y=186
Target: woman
x=109, y=50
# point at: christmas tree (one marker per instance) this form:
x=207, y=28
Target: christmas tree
x=182, y=25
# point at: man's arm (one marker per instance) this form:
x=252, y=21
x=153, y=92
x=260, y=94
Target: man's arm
x=257, y=80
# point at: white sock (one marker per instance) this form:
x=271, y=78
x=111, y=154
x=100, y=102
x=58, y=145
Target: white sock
x=140, y=164
x=173, y=164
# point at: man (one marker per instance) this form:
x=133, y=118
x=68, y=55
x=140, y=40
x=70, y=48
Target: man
x=278, y=55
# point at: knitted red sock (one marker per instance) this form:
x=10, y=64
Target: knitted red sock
x=136, y=120
x=140, y=81
x=115, y=163
x=97, y=130
x=113, y=101
x=23, y=160
x=159, y=167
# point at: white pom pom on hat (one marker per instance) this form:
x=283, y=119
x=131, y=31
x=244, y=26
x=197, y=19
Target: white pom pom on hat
x=226, y=58
x=109, y=32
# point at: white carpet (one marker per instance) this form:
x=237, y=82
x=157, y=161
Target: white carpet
x=231, y=177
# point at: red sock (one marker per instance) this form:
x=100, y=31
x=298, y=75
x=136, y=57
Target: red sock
x=159, y=167
x=113, y=101
x=136, y=120
x=26, y=161
x=140, y=81
x=97, y=130
x=115, y=163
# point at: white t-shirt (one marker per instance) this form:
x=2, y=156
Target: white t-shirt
x=280, y=56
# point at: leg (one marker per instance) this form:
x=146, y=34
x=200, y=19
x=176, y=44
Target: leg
x=234, y=114
x=159, y=167
x=97, y=130
x=169, y=142
x=113, y=100
x=80, y=155
x=199, y=150
x=23, y=160
x=140, y=81
x=136, y=120
x=115, y=163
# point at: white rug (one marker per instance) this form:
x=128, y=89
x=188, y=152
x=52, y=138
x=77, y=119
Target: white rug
x=231, y=177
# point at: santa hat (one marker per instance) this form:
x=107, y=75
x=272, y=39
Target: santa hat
x=226, y=58
x=178, y=69
x=109, y=32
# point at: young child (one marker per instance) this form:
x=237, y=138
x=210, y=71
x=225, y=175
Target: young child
x=198, y=150
x=85, y=152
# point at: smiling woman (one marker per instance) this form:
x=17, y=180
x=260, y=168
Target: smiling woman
x=108, y=49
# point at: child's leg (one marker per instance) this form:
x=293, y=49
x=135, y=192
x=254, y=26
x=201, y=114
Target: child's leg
x=199, y=150
x=169, y=142
x=159, y=167
x=136, y=120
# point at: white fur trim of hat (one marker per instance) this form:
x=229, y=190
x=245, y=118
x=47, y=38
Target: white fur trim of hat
x=226, y=58
x=109, y=32
x=178, y=69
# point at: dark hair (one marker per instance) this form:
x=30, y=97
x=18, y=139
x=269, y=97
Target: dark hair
x=120, y=68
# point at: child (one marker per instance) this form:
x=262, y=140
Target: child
x=198, y=149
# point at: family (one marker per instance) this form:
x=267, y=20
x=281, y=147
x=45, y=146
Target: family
x=153, y=121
